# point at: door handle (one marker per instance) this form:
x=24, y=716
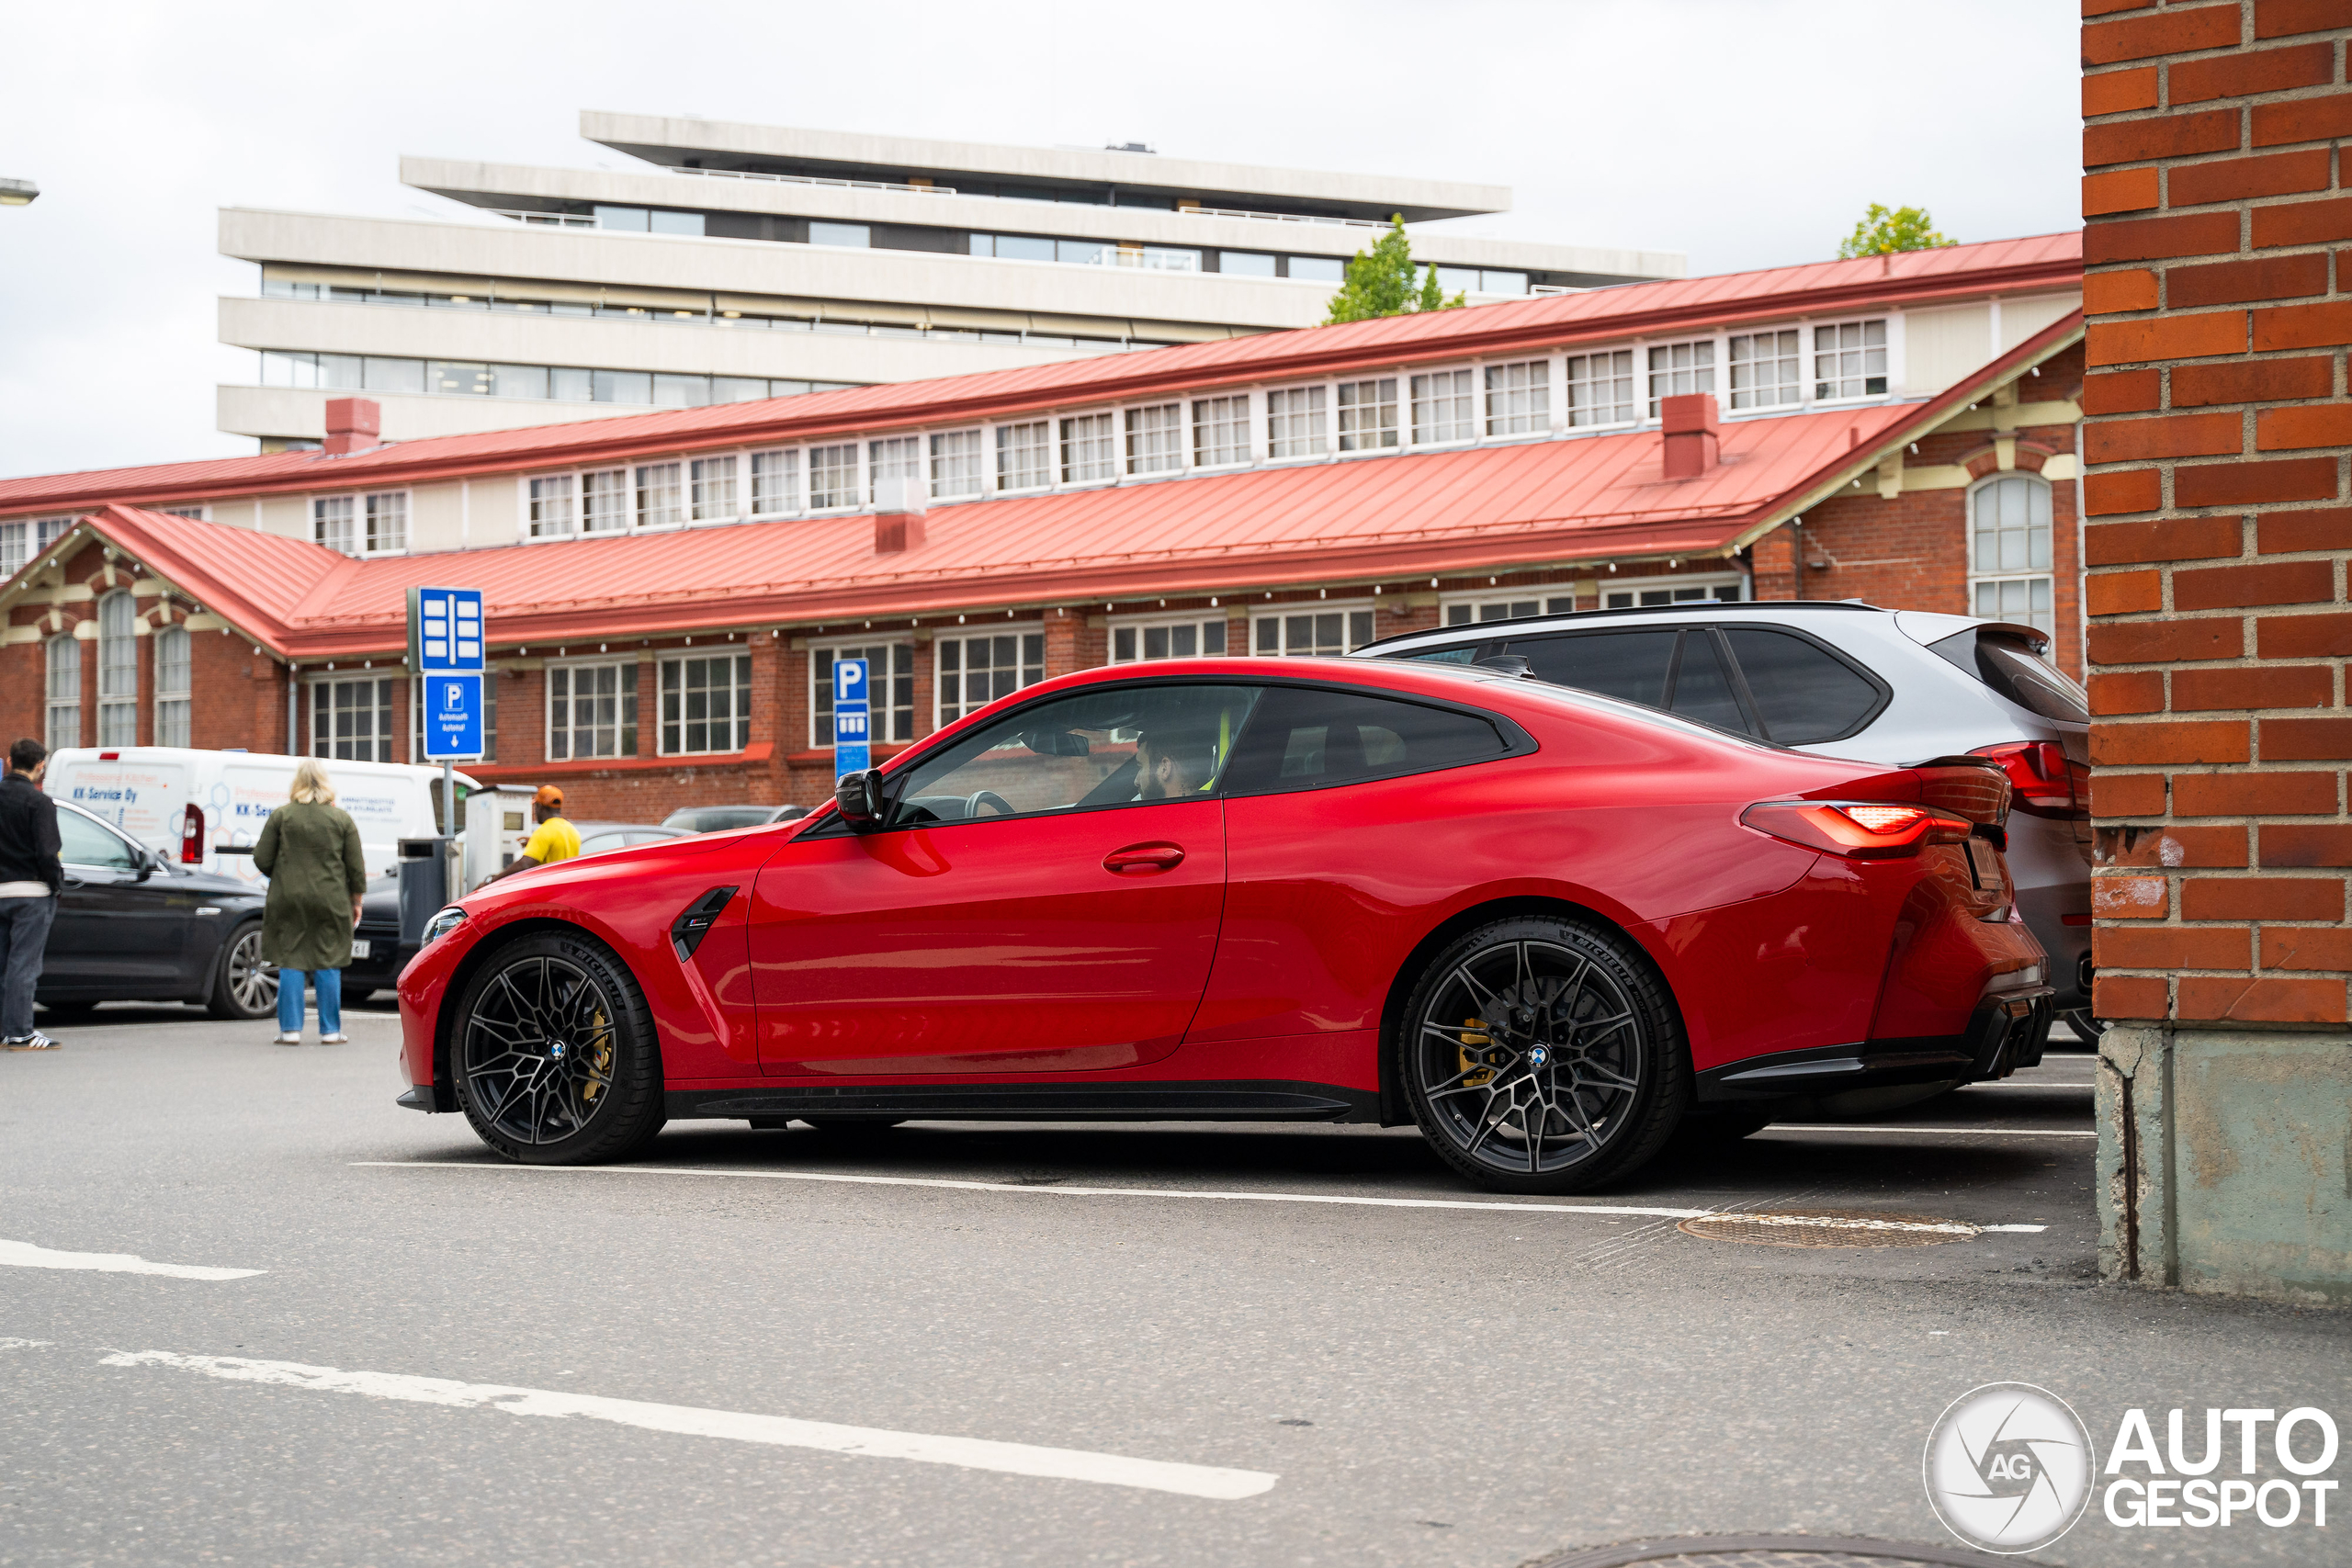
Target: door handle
x=1144, y=857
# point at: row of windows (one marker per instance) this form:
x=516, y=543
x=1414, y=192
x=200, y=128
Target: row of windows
x=118, y=655
x=562, y=384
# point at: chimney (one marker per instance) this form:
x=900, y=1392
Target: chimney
x=1689, y=423
x=353, y=424
x=897, y=516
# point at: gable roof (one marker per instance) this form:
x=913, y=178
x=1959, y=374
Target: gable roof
x=1695, y=305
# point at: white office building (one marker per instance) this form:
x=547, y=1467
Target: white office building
x=739, y=262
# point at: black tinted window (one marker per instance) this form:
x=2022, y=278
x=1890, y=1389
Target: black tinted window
x=1630, y=665
x=1803, y=693
x=2008, y=664
x=1301, y=738
x=1702, y=690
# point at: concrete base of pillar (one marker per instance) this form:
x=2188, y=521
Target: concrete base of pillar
x=2226, y=1161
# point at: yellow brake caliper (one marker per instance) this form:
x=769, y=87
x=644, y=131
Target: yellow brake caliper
x=1477, y=1074
x=601, y=1060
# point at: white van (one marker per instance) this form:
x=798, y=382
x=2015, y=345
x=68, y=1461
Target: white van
x=199, y=808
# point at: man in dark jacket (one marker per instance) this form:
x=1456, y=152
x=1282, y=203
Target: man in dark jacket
x=30, y=876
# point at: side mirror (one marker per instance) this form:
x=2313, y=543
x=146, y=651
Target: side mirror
x=859, y=797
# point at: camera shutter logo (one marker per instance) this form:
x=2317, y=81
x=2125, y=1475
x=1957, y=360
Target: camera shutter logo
x=2008, y=1468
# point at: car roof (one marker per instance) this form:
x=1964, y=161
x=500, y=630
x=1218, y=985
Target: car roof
x=1582, y=617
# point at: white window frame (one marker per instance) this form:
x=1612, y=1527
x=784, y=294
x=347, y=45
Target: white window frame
x=767, y=468
x=1534, y=418
x=939, y=715
x=1796, y=359
x=1636, y=586
x=344, y=523
x=2030, y=575
x=1691, y=373
x=62, y=688
x=118, y=669
x=1345, y=608
x=397, y=503
x=1884, y=348
x=1155, y=438
x=1095, y=432
x=625, y=698
x=1549, y=599
x=740, y=684
x=1310, y=403
x=1617, y=414
x=1019, y=449
x=552, y=506
x=908, y=464
x=651, y=516
x=1383, y=401
x=714, y=489
x=382, y=724
x=1465, y=390
x=175, y=685
x=957, y=461
x=1136, y=629
x=1238, y=416
x=844, y=467
x=193, y=514
x=881, y=730
x=614, y=489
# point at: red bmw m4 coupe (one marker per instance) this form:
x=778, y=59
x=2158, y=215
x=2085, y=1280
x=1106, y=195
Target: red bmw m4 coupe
x=1549, y=927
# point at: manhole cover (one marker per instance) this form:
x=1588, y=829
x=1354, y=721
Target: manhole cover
x=1828, y=1227
x=1759, y=1552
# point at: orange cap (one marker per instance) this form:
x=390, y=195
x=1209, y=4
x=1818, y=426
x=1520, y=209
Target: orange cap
x=549, y=795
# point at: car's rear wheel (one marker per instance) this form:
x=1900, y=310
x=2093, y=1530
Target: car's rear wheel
x=243, y=986
x=1543, y=1056
x=553, y=1052
x=2081, y=1021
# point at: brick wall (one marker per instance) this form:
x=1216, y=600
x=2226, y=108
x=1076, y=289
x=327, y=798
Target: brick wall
x=2217, y=496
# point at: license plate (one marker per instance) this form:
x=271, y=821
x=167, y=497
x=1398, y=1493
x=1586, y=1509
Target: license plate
x=1985, y=862
x=359, y=948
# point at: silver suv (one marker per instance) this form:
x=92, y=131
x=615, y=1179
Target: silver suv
x=1848, y=680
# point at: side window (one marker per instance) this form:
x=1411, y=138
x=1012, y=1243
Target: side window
x=1701, y=688
x=1305, y=738
x=1803, y=693
x=86, y=843
x=1118, y=746
x=1630, y=665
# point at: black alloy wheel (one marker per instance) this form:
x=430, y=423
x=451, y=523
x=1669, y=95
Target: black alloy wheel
x=244, y=985
x=553, y=1051
x=1543, y=1056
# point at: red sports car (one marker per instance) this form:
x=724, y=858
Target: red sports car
x=1550, y=928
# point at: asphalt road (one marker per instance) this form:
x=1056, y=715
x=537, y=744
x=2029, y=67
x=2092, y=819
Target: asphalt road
x=1303, y=1383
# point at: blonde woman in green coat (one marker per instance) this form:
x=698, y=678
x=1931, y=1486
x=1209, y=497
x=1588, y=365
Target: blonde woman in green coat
x=310, y=851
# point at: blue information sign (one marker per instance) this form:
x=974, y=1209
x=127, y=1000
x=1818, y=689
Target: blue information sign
x=853, y=749
x=452, y=717
x=446, y=651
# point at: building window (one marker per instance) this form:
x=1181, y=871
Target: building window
x=1764, y=369
x=592, y=711
x=1368, y=414
x=775, y=484
x=331, y=521
x=707, y=703
x=714, y=492
x=193, y=514
x=172, y=686
x=24, y=539
x=1193, y=637
x=1090, y=449
x=1298, y=634
x=555, y=507
x=659, y=502
x=1680, y=370
x=896, y=465
x=351, y=721
x=1727, y=589
x=1024, y=456
x=889, y=687
x=118, y=671
x=1601, y=388
x=1850, y=360
x=1156, y=439
x=1220, y=431
x=956, y=464
x=387, y=516
x=2009, y=552
x=832, y=477
x=973, y=672
x=1508, y=606
x=1444, y=408
x=1518, y=398
x=604, y=502
x=1294, y=422
x=65, y=691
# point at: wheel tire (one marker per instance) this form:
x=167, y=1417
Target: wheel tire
x=243, y=985
x=2081, y=1021
x=553, y=1052
x=851, y=1125
x=1587, y=1031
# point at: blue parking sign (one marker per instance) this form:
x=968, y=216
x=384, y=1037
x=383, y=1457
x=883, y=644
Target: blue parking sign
x=852, y=732
x=452, y=717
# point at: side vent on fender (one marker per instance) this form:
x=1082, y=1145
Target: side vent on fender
x=695, y=923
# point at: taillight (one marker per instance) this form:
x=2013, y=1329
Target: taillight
x=192, y=836
x=2041, y=778
x=1857, y=830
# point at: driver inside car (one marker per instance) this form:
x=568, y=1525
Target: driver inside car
x=1171, y=764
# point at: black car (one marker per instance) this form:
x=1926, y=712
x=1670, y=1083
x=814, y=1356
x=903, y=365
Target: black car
x=377, y=955
x=133, y=926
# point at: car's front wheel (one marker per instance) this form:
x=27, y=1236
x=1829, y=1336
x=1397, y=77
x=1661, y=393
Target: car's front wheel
x=244, y=985
x=553, y=1052
x=1543, y=1056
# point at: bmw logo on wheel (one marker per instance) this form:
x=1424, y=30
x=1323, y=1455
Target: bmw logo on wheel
x=1538, y=1056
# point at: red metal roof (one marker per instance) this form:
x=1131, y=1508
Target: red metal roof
x=1693, y=304
x=1360, y=520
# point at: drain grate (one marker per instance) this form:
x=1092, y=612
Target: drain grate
x=1760, y=1551
x=1828, y=1227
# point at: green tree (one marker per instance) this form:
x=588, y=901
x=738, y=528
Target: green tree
x=1382, y=281
x=1883, y=232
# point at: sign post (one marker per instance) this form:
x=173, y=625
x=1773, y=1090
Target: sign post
x=853, y=733
x=446, y=653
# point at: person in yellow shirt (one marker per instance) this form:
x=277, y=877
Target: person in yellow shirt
x=553, y=840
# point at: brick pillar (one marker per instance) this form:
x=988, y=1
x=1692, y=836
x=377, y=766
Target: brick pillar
x=2215, y=439
x=1772, y=562
x=1062, y=629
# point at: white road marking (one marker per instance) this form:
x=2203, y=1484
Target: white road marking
x=1025, y=1189
x=24, y=1255
x=1930, y=1127
x=782, y=1431
x=25, y=1343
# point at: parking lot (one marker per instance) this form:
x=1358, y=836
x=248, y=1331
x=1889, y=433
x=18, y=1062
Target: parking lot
x=1151, y=1344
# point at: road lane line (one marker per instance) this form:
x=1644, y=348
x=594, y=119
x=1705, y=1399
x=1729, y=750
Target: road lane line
x=781, y=1431
x=1930, y=1127
x=24, y=1255
x=1025, y=1189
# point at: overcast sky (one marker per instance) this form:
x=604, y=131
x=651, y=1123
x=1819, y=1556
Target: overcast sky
x=1745, y=132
